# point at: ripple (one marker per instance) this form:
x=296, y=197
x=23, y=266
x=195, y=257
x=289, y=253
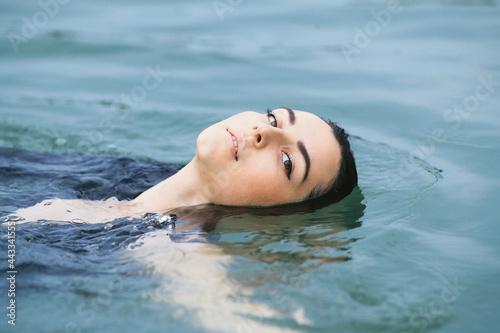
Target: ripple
x=382, y=167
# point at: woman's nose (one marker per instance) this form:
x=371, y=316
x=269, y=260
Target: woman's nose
x=264, y=134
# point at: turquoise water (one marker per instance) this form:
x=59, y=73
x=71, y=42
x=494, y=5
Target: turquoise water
x=415, y=249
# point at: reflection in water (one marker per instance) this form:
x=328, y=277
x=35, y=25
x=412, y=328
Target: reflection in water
x=302, y=229
x=193, y=279
x=197, y=276
x=202, y=279
x=294, y=238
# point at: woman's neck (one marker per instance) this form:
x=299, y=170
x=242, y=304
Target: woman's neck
x=185, y=188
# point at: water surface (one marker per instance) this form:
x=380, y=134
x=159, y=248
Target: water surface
x=414, y=249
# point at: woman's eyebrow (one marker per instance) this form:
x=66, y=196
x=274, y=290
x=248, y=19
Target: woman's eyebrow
x=303, y=150
x=300, y=144
x=291, y=115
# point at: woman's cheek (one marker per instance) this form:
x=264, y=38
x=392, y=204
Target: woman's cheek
x=269, y=191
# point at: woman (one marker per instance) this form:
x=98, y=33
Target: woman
x=250, y=159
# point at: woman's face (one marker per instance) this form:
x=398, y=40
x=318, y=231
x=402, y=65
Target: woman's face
x=266, y=159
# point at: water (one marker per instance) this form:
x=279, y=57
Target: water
x=415, y=249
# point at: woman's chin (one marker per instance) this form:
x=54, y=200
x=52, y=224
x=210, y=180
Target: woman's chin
x=204, y=152
x=210, y=147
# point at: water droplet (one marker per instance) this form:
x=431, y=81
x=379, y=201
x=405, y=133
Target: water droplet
x=133, y=246
x=60, y=141
x=78, y=221
x=164, y=219
x=92, y=248
x=10, y=218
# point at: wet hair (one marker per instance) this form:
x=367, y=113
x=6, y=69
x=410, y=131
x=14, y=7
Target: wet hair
x=347, y=177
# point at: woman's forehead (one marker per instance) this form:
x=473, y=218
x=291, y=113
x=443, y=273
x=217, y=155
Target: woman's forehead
x=321, y=144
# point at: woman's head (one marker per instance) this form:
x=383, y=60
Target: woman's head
x=273, y=158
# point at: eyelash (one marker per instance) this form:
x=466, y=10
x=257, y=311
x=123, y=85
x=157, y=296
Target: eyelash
x=287, y=163
x=271, y=114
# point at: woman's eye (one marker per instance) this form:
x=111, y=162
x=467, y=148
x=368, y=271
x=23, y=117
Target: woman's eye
x=287, y=164
x=272, y=119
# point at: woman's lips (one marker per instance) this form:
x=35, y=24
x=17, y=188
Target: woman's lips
x=235, y=142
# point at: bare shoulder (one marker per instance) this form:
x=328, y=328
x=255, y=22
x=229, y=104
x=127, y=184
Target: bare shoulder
x=78, y=211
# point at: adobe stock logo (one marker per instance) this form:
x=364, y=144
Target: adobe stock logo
x=363, y=37
x=40, y=19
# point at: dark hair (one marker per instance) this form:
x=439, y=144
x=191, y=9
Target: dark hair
x=347, y=177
